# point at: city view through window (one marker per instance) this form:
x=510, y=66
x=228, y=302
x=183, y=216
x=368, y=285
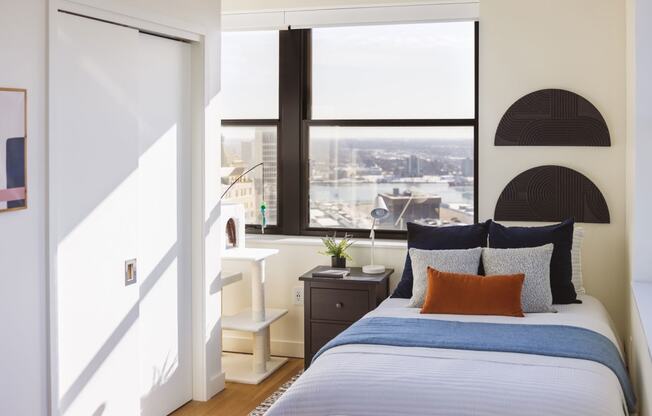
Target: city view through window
x=250, y=91
x=380, y=99
x=242, y=148
x=424, y=174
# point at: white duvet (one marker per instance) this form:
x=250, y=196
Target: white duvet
x=386, y=380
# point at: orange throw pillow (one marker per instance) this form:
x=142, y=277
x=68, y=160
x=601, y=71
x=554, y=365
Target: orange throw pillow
x=466, y=294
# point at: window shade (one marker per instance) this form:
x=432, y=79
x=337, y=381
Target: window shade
x=302, y=19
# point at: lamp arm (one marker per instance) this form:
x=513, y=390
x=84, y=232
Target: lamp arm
x=372, y=235
x=407, y=204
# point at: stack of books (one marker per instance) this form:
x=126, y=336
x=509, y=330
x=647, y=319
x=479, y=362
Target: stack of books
x=332, y=273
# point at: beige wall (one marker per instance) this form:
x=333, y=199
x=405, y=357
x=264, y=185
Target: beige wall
x=295, y=258
x=576, y=45
x=524, y=46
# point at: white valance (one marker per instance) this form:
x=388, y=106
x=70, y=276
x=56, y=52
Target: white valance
x=347, y=16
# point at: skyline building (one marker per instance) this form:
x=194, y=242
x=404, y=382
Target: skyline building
x=414, y=166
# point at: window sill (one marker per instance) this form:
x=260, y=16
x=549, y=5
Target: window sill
x=293, y=240
x=642, y=292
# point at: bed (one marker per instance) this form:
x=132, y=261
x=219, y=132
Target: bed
x=372, y=379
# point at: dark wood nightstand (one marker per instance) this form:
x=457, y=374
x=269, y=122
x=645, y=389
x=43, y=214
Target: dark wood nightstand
x=332, y=305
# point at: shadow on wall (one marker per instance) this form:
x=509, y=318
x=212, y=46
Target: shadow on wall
x=100, y=410
x=159, y=382
x=85, y=376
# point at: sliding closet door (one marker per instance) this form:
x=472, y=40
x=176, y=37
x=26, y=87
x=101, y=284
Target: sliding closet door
x=95, y=188
x=164, y=224
x=121, y=174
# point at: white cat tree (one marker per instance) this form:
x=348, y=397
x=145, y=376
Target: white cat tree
x=245, y=368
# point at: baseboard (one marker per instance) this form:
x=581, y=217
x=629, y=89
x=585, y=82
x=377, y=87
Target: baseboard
x=217, y=383
x=282, y=348
x=214, y=385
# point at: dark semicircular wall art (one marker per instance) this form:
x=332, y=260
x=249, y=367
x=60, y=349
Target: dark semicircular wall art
x=552, y=193
x=552, y=117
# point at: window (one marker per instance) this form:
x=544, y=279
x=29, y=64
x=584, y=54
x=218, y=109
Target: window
x=249, y=108
x=415, y=71
x=243, y=147
x=249, y=75
x=384, y=110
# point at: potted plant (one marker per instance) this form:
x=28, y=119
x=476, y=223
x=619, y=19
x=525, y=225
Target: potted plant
x=337, y=249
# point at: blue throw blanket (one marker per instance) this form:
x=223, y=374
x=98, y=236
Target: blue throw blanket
x=549, y=340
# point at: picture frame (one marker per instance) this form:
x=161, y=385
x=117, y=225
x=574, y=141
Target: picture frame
x=13, y=149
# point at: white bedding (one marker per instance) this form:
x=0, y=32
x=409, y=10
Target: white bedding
x=386, y=380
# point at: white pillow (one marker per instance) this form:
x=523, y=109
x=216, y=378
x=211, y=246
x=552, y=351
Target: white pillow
x=534, y=263
x=576, y=256
x=452, y=261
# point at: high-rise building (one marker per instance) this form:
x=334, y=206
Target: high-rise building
x=334, y=159
x=243, y=193
x=265, y=149
x=247, y=150
x=414, y=166
x=236, y=158
x=467, y=167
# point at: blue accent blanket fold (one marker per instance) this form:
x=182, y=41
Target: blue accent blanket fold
x=549, y=340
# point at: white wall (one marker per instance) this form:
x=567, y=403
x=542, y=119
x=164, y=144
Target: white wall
x=639, y=360
x=524, y=46
x=640, y=110
x=23, y=261
x=193, y=15
x=23, y=304
x=639, y=202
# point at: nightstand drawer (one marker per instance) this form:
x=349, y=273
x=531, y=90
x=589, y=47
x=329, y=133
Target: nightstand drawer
x=332, y=305
x=338, y=304
x=322, y=333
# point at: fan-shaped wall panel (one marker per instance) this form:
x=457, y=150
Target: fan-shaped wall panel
x=552, y=117
x=551, y=193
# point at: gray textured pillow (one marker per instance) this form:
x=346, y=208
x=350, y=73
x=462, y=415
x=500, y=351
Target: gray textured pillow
x=534, y=262
x=452, y=261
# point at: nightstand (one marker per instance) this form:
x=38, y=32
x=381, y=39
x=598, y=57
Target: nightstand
x=332, y=305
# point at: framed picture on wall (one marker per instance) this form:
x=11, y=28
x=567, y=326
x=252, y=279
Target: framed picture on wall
x=13, y=156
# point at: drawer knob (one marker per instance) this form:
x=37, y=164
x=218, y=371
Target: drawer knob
x=339, y=305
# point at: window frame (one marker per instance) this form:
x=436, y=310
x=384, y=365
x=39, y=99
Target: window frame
x=295, y=120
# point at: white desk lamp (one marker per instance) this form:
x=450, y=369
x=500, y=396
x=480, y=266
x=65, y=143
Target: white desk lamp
x=379, y=211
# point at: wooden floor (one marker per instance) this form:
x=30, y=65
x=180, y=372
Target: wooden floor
x=240, y=399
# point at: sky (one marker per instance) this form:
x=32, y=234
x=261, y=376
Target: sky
x=359, y=72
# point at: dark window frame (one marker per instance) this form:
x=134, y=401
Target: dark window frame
x=292, y=134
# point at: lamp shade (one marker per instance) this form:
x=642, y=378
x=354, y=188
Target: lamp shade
x=380, y=208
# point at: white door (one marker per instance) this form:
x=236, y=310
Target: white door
x=164, y=224
x=122, y=182
x=95, y=168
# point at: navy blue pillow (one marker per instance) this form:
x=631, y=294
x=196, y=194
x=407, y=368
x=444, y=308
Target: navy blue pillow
x=425, y=237
x=561, y=268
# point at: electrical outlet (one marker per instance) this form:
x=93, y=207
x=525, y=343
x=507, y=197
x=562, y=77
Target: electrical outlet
x=297, y=295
